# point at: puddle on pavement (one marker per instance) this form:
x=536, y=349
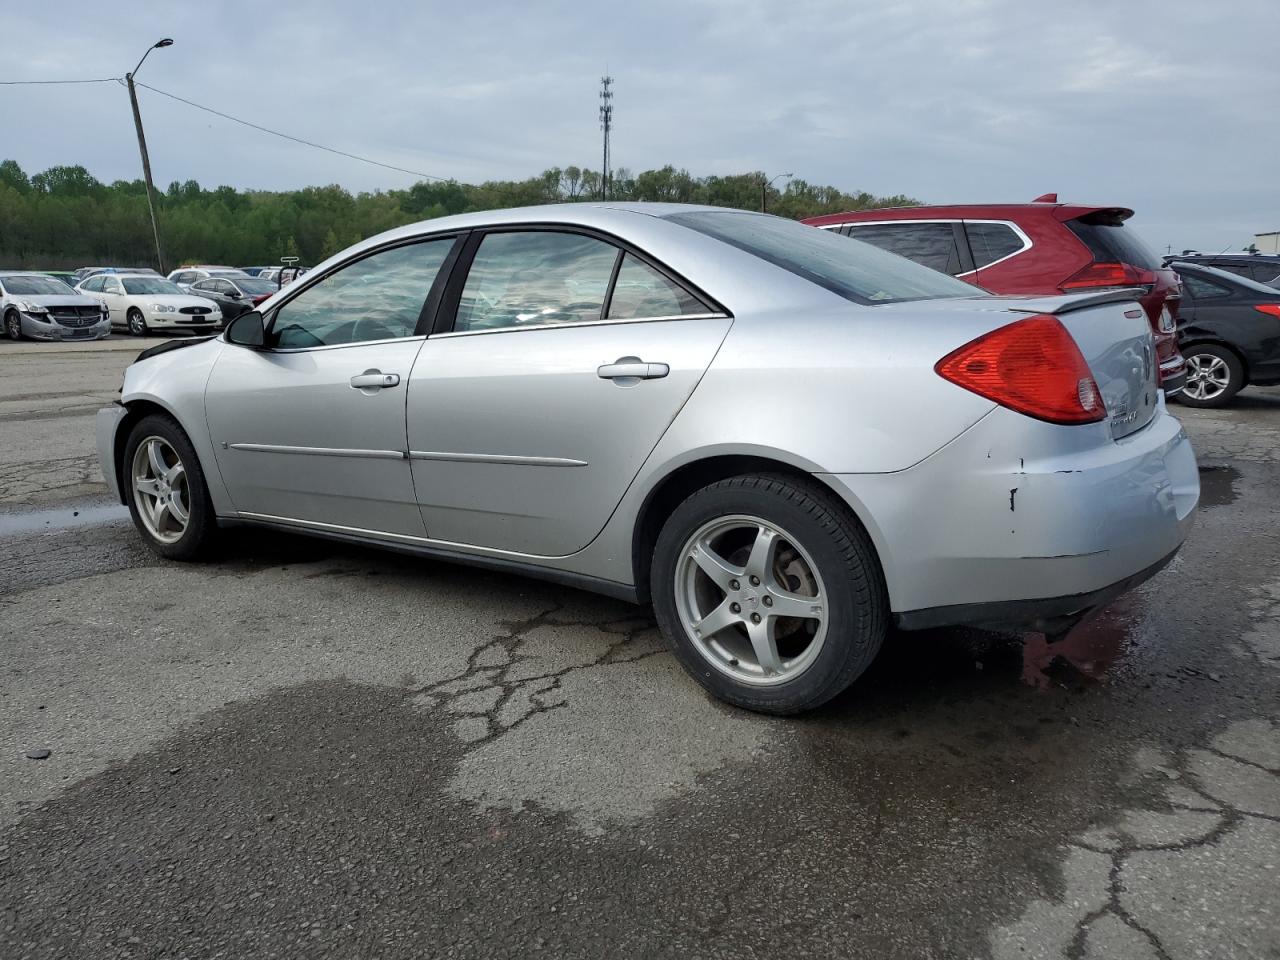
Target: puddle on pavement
x=61, y=518
x=1087, y=652
x=1218, y=485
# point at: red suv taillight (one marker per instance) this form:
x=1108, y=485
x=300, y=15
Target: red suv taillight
x=1032, y=366
x=1109, y=275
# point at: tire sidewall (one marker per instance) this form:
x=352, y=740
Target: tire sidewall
x=201, y=522
x=851, y=641
x=13, y=326
x=1234, y=367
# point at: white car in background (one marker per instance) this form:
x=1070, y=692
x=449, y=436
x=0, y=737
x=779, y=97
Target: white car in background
x=144, y=302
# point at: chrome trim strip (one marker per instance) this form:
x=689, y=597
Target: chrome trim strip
x=401, y=537
x=583, y=323
x=496, y=458
x=343, y=346
x=318, y=451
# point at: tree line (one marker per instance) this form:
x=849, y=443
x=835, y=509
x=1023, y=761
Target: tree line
x=64, y=218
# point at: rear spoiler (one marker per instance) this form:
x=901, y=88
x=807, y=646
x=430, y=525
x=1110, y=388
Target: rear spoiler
x=1068, y=302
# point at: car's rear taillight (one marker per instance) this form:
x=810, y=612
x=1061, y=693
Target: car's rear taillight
x=1032, y=366
x=1271, y=308
x=260, y=298
x=1109, y=275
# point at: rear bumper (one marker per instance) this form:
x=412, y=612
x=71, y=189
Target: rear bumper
x=1036, y=517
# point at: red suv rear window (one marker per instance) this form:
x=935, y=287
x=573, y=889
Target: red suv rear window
x=1109, y=242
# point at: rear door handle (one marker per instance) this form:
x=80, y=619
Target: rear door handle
x=632, y=368
x=374, y=380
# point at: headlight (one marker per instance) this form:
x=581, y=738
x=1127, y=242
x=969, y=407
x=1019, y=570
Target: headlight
x=164, y=308
x=32, y=308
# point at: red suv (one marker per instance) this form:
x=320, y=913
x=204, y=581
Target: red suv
x=1038, y=247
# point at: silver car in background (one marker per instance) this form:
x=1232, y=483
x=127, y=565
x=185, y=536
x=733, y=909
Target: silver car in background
x=785, y=440
x=44, y=308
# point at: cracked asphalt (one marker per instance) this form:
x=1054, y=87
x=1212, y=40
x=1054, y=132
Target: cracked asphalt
x=313, y=750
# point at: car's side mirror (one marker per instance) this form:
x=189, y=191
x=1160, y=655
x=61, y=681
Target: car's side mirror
x=247, y=330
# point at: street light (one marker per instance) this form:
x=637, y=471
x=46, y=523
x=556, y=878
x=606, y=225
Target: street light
x=142, y=147
x=764, y=189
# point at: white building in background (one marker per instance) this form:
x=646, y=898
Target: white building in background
x=1267, y=242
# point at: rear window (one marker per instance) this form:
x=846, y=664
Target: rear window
x=854, y=270
x=1110, y=241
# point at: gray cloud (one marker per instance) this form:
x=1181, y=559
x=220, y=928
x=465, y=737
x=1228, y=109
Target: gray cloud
x=1167, y=107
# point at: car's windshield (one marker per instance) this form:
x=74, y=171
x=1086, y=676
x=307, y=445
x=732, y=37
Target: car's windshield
x=255, y=286
x=34, y=286
x=149, y=285
x=855, y=270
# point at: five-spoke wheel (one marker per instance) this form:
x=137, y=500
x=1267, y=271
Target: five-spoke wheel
x=161, y=491
x=165, y=488
x=769, y=592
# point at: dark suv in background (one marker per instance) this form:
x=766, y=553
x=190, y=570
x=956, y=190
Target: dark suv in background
x=1043, y=247
x=1261, y=267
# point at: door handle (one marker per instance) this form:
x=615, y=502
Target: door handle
x=374, y=380
x=632, y=368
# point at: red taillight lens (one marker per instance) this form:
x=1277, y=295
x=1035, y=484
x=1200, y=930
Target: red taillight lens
x=1271, y=308
x=1031, y=366
x=261, y=297
x=1109, y=275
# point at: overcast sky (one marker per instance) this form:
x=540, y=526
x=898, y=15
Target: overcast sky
x=1167, y=107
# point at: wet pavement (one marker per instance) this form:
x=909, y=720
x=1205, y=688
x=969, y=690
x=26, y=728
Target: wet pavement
x=313, y=750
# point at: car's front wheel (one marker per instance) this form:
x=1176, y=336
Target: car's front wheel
x=1214, y=375
x=769, y=592
x=166, y=491
x=137, y=322
x=13, y=325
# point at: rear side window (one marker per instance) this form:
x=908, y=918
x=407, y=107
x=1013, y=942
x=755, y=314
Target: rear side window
x=1203, y=289
x=1110, y=241
x=856, y=271
x=990, y=242
x=930, y=244
x=641, y=291
x=1265, y=272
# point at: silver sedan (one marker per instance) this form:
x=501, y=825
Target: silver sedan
x=785, y=440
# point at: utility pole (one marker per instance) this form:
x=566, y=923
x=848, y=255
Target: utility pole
x=764, y=189
x=606, y=124
x=142, y=149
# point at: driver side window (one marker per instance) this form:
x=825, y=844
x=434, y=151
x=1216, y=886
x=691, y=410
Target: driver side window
x=535, y=279
x=379, y=297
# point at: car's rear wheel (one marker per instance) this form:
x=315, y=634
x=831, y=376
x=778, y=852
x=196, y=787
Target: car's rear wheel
x=13, y=325
x=137, y=322
x=769, y=593
x=1214, y=375
x=166, y=491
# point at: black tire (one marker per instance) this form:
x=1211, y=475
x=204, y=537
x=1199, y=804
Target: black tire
x=137, y=322
x=857, y=603
x=13, y=325
x=1235, y=375
x=201, y=532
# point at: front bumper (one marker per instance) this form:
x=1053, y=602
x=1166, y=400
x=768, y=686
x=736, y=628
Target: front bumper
x=183, y=321
x=1028, y=515
x=36, y=328
x=106, y=426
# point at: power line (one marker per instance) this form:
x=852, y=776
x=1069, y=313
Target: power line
x=285, y=136
x=15, y=83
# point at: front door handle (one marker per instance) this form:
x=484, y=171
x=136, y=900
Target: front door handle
x=632, y=368
x=374, y=380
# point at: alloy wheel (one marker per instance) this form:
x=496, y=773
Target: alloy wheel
x=751, y=599
x=137, y=326
x=161, y=491
x=1208, y=376
x=13, y=326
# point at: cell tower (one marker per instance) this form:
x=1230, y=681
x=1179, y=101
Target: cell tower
x=606, y=124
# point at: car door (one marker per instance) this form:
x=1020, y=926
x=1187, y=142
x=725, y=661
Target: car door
x=117, y=303
x=561, y=362
x=311, y=428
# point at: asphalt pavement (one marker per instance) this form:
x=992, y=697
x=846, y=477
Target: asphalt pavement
x=306, y=749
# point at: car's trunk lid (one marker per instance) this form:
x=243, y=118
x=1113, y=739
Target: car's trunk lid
x=1112, y=332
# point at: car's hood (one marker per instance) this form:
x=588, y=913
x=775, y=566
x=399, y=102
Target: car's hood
x=61, y=299
x=169, y=345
